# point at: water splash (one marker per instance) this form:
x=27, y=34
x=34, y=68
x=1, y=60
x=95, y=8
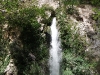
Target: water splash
x=55, y=51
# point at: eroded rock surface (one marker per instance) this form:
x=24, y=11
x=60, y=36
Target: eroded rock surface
x=88, y=30
x=51, y=3
x=11, y=69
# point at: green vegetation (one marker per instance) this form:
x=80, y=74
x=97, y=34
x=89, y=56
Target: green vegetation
x=76, y=2
x=31, y=56
x=74, y=60
x=30, y=50
x=96, y=16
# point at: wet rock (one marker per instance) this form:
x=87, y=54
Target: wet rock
x=48, y=39
x=32, y=57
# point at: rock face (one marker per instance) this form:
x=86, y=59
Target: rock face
x=11, y=35
x=51, y=3
x=87, y=29
x=45, y=24
x=11, y=68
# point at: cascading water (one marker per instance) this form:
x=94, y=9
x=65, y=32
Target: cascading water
x=55, y=51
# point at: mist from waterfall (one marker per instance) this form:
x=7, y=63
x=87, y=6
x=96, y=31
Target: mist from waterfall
x=55, y=51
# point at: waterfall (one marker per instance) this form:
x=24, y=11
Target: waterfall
x=55, y=51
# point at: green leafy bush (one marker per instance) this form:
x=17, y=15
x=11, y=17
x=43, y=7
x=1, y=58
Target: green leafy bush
x=78, y=2
x=75, y=64
x=70, y=2
x=96, y=15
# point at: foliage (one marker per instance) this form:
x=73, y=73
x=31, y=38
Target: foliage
x=71, y=3
x=4, y=58
x=75, y=64
x=3, y=63
x=31, y=39
x=92, y=2
x=96, y=15
x=73, y=46
x=9, y=4
x=2, y=18
x=27, y=16
x=70, y=36
x=95, y=2
x=26, y=20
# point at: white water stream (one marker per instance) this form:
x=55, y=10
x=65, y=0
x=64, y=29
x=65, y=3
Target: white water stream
x=55, y=51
